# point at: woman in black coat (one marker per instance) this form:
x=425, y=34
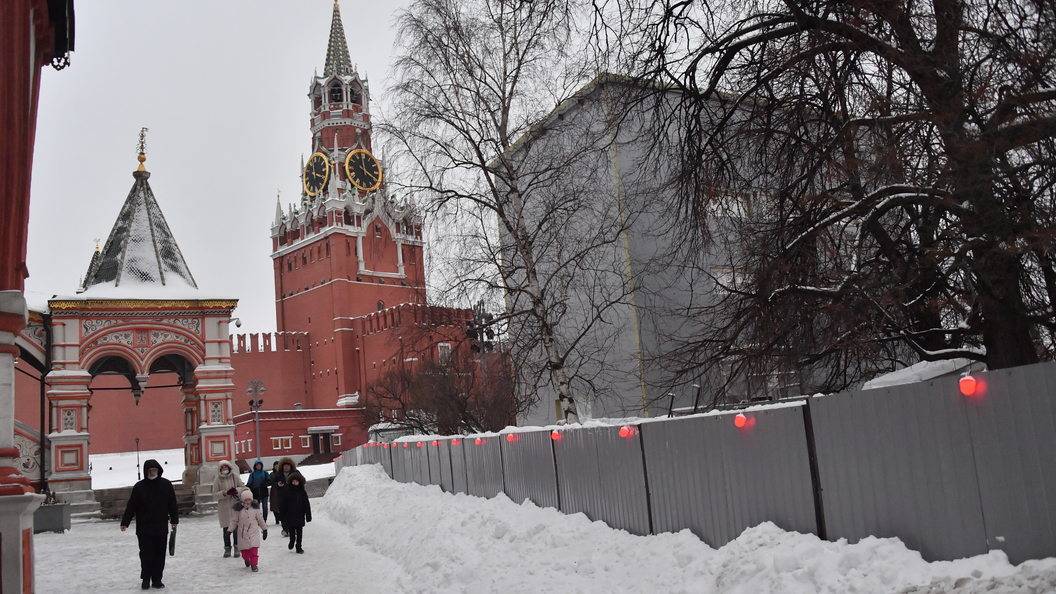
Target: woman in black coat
x=296, y=510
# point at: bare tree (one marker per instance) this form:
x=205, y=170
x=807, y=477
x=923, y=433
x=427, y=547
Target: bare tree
x=524, y=217
x=451, y=397
x=881, y=172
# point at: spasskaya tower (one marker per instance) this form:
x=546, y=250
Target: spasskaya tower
x=349, y=248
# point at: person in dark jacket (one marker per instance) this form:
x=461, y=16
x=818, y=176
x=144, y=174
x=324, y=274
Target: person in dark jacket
x=258, y=483
x=281, y=486
x=296, y=510
x=273, y=497
x=153, y=504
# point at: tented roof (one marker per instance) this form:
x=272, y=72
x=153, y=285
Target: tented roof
x=141, y=249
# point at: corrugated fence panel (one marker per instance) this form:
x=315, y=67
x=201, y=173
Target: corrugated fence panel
x=528, y=468
x=401, y=463
x=898, y=462
x=385, y=456
x=432, y=454
x=1013, y=423
x=707, y=475
x=419, y=458
x=483, y=466
x=684, y=476
x=601, y=475
x=767, y=470
x=459, y=479
x=444, y=460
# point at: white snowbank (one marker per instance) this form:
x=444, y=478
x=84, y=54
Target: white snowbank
x=456, y=543
x=110, y=471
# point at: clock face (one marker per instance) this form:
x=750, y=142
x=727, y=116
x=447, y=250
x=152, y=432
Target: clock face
x=316, y=174
x=363, y=170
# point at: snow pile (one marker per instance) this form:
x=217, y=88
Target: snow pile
x=457, y=543
x=110, y=471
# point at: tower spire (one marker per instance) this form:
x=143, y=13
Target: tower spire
x=142, y=148
x=337, y=60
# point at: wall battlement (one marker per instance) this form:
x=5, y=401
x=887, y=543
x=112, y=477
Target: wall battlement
x=269, y=342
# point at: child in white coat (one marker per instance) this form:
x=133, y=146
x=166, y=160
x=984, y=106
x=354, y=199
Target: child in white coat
x=248, y=521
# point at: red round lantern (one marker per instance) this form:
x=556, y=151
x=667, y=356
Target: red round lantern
x=419, y=444
x=454, y=441
x=510, y=437
x=406, y=445
x=625, y=431
x=479, y=441
x=436, y=442
x=968, y=385
x=740, y=420
x=555, y=435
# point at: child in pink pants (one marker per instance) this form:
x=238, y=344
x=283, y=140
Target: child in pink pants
x=248, y=519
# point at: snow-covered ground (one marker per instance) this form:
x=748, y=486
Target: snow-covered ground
x=119, y=470
x=371, y=534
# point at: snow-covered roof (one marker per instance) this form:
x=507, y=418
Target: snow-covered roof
x=925, y=370
x=140, y=255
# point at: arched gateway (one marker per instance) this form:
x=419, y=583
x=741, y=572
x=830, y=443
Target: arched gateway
x=139, y=312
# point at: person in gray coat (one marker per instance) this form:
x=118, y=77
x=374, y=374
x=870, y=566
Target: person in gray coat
x=226, y=487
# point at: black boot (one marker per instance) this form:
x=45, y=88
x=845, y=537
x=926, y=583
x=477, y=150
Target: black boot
x=227, y=552
x=146, y=584
x=291, y=544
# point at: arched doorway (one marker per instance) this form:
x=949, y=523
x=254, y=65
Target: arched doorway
x=185, y=340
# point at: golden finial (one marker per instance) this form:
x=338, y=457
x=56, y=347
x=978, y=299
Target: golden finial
x=96, y=240
x=279, y=194
x=142, y=148
x=335, y=3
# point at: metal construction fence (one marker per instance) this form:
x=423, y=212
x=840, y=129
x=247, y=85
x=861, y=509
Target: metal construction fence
x=951, y=471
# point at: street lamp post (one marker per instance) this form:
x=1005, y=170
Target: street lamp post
x=255, y=390
x=138, y=476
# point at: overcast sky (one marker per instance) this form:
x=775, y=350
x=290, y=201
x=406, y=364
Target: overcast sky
x=222, y=86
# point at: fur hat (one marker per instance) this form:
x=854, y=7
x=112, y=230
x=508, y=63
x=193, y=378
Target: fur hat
x=295, y=476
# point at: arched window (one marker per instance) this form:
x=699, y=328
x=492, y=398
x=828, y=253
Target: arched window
x=356, y=97
x=304, y=259
x=335, y=92
x=289, y=265
x=381, y=305
x=328, y=250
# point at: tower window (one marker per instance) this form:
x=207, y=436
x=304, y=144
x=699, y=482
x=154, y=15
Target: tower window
x=304, y=259
x=328, y=250
x=335, y=94
x=318, y=102
x=289, y=265
x=381, y=305
x=348, y=248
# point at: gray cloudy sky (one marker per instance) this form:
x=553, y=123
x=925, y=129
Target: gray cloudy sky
x=222, y=87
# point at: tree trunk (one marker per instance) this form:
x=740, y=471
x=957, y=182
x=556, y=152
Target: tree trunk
x=1006, y=329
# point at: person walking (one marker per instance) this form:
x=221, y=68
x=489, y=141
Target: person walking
x=153, y=505
x=273, y=497
x=296, y=510
x=258, y=483
x=247, y=522
x=226, y=487
x=286, y=467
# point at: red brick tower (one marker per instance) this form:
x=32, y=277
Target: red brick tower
x=350, y=248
